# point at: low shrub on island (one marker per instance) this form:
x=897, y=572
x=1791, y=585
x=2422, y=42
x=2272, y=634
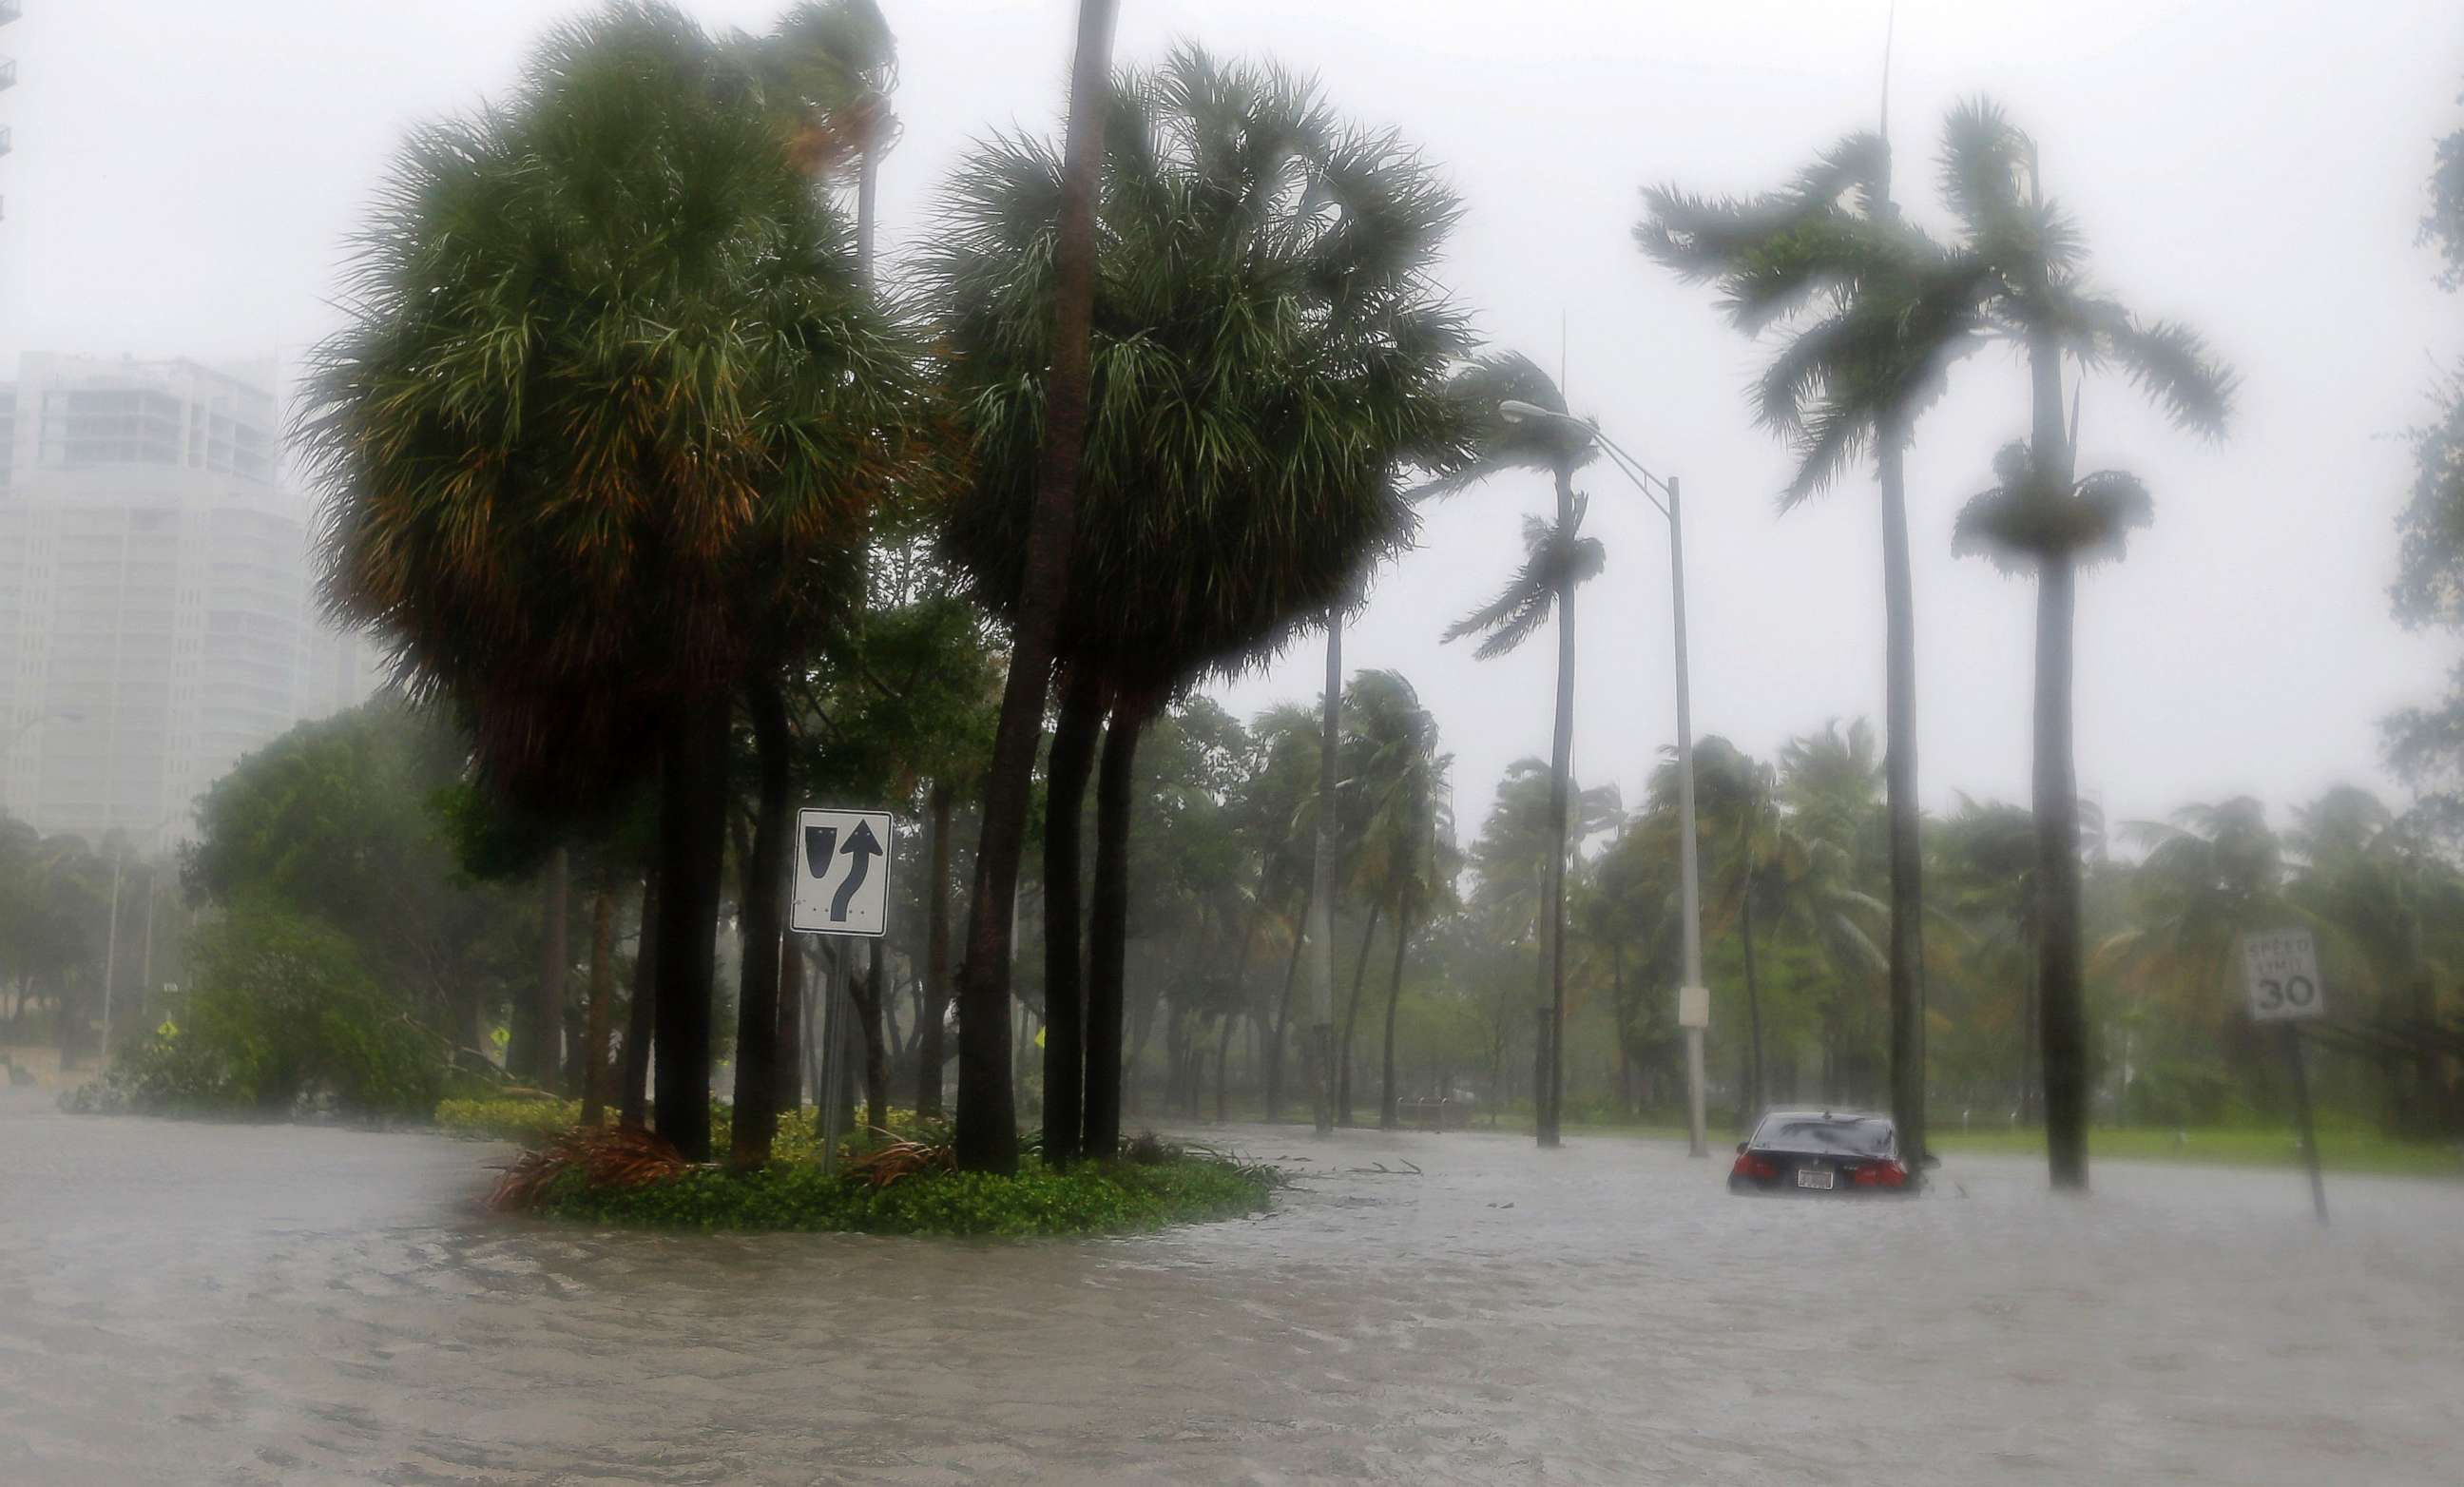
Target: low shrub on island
x=633, y=1179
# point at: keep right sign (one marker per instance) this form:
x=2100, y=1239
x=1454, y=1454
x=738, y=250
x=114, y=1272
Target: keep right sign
x=2281, y=968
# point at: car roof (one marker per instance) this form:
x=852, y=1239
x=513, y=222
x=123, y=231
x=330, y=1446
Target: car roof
x=1837, y=1117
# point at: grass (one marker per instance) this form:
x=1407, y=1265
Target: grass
x=2340, y=1150
x=1091, y=1198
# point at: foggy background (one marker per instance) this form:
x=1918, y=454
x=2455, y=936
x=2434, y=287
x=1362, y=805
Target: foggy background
x=184, y=178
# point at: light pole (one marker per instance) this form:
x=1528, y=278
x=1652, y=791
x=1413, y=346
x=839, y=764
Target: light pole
x=1693, y=1001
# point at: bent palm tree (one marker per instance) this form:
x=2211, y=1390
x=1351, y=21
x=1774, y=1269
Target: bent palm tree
x=1876, y=312
x=2039, y=518
x=1501, y=445
x=588, y=466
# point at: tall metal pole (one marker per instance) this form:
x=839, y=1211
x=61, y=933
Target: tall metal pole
x=1689, y=874
x=110, y=960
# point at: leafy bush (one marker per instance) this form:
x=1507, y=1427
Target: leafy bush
x=284, y=1018
x=1091, y=1198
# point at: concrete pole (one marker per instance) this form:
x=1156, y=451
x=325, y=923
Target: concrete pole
x=1689, y=872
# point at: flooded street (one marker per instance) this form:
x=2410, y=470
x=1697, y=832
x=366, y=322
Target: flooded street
x=192, y=1304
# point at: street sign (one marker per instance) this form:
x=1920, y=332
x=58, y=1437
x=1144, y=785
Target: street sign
x=2281, y=969
x=840, y=888
x=1693, y=1007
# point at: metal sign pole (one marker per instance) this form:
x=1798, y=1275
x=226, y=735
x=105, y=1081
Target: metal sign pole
x=2301, y=1118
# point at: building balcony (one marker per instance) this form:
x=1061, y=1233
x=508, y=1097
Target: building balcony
x=8, y=68
x=9, y=10
x=3, y=140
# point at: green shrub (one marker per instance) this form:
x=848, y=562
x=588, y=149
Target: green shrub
x=282, y=1018
x=1092, y=1198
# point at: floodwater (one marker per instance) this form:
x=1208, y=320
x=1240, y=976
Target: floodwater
x=187, y=1305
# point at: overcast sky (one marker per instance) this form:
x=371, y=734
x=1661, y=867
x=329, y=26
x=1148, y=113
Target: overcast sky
x=184, y=174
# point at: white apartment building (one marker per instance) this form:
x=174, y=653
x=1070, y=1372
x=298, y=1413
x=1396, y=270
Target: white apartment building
x=157, y=616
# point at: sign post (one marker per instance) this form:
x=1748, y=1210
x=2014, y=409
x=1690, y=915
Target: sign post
x=2281, y=970
x=840, y=889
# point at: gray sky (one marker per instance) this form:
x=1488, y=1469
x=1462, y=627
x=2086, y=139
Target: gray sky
x=184, y=174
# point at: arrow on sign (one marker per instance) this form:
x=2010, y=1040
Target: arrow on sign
x=863, y=846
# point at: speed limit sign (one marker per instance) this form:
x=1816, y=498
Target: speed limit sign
x=2281, y=968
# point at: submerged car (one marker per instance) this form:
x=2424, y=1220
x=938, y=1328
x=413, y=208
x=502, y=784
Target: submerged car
x=1821, y=1151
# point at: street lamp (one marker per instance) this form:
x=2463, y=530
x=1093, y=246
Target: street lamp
x=1693, y=1001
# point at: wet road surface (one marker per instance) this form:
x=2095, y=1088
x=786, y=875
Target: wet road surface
x=185, y=1303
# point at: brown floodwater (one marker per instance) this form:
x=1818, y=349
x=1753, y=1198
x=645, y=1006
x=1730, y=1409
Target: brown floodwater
x=185, y=1303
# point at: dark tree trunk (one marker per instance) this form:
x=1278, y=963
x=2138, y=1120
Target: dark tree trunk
x=1223, y=1066
x=874, y=1006
x=641, y=1015
x=1108, y=924
x=763, y=890
x=1351, y=1017
x=2059, y=995
x=788, y=1095
x=987, y=1124
x=930, y=1055
x=1900, y=777
x=544, y=1026
x=1321, y=925
x=1756, y=1095
x=603, y=990
x=693, y=826
x=1072, y=759
x=1550, y=1098
x=1284, y=1010
x=1394, y=999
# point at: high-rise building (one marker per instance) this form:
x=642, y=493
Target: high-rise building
x=156, y=611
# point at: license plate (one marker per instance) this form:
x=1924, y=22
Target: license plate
x=1821, y=1177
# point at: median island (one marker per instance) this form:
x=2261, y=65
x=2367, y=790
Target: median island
x=902, y=1181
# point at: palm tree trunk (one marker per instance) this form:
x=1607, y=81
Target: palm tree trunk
x=762, y=888
x=1223, y=1066
x=603, y=990
x=1900, y=783
x=1321, y=911
x=632, y=1110
x=1108, y=924
x=2060, y=998
x=1072, y=759
x=693, y=835
x=2059, y=995
x=546, y=1020
x=930, y=1055
x=1394, y=999
x=1752, y=1105
x=1550, y=1099
x=1283, y=1007
x=1351, y=1016
x=986, y=1136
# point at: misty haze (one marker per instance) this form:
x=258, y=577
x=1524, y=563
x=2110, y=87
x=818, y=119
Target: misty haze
x=1105, y=741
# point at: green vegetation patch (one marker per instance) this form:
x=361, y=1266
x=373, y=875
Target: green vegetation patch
x=1090, y=1198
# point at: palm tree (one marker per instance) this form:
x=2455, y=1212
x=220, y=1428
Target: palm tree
x=1519, y=860
x=1397, y=780
x=1987, y=855
x=1269, y=357
x=1557, y=559
x=1063, y=235
x=2039, y=518
x=1740, y=822
x=1287, y=805
x=588, y=466
x=1877, y=311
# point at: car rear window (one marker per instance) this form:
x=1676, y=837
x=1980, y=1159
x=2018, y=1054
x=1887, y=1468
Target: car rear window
x=1808, y=1133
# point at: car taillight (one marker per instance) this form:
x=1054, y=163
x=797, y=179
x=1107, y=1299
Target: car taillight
x=1751, y=1165
x=1881, y=1174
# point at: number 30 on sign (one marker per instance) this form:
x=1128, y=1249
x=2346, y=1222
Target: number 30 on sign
x=2280, y=967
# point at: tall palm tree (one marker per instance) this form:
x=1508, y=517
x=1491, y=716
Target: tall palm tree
x=1406, y=821
x=2041, y=517
x=1063, y=235
x=1269, y=359
x=587, y=465
x=1559, y=559
x=1876, y=311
